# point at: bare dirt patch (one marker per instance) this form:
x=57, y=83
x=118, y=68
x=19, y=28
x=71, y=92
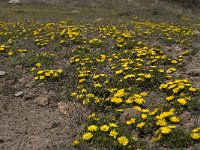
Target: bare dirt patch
x=26, y=125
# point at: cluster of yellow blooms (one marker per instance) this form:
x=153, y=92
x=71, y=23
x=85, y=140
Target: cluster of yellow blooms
x=179, y=90
x=129, y=63
x=117, y=68
x=45, y=74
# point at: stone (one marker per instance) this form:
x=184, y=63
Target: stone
x=2, y=73
x=42, y=100
x=185, y=117
x=187, y=121
x=27, y=81
x=69, y=108
x=74, y=11
x=99, y=20
x=23, y=80
x=15, y=2
x=19, y=67
x=64, y=108
x=196, y=33
x=128, y=113
x=30, y=93
x=20, y=93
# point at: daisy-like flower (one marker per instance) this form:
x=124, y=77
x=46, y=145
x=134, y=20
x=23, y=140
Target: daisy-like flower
x=104, y=128
x=123, y=140
x=87, y=136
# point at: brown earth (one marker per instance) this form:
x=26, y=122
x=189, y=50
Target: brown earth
x=27, y=124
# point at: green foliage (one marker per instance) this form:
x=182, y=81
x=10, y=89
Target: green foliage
x=178, y=138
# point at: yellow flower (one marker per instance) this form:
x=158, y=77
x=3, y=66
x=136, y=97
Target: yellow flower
x=137, y=108
x=147, y=76
x=131, y=121
x=175, y=90
x=51, y=71
x=113, y=133
x=163, y=86
x=174, y=119
x=123, y=140
x=116, y=100
x=169, y=98
x=76, y=142
x=144, y=116
x=182, y=101
x=113, y=125
x=82, y=80
x=36, y=78
x=38, y=64
x=196, y=130
x=104, y=128
x=59, y=71
x=10, y=53
x=118, y=71
x=41, y=77
x=120, y=93
x=161, y=122
x=161, y=70
x=139, y=100
x=173, y=61
x=154, y=111
x=192, y=89
x=140, y=125
x=165, y=130
x=55, y=74
x=129, y=101
x=47, y=74
x=33, y=69
x=129, y=76
x=92, y=128
x=97, y=85
x=195, y=136
x=143, y=94
x=87, y=136
x=40, y=72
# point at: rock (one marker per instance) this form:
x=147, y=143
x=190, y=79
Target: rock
x=69, y=108
x=42, y=100
x=20, y=93
x=99, y=20
x=30, y=94
x=30, y=84
x=128, y=113
x=23, y=80
x=194, y=72
x=18, y=67
x=74, y=11
x=185, y=117
x=187, y=121
x=15, y=2
x=196, y=33
x=64, y=108
x=27, y=81
x=2, y=73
